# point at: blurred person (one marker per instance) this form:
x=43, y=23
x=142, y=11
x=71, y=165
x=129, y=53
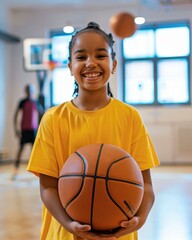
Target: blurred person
x=26, y=121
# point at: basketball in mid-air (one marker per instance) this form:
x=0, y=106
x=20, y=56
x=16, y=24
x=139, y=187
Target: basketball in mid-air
x=123, y=24
x=101, y=185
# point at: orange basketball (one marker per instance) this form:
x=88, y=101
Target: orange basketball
x=101, y=185
x=123, y=24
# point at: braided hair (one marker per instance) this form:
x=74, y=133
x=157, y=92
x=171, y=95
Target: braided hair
x=92, y=27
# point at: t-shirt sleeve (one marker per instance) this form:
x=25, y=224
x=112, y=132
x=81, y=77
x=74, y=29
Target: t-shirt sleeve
x=43, y=158
x=142, y=149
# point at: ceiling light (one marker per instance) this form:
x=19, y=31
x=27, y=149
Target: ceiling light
x=139, y=20
x=68, y=29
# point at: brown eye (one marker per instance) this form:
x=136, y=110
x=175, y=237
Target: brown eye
x=80, y=57
x=102, y=56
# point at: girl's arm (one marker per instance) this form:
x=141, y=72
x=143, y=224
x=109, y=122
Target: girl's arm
x=148, y=198
x=140, y=217
x=50, y=198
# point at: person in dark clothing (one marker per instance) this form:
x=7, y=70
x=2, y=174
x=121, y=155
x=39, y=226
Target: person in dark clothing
x=26, y=121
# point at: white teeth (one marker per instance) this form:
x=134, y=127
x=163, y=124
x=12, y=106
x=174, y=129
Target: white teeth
x=91, y=75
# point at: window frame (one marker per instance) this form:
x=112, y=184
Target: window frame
x=155, y=59
x=57, y=33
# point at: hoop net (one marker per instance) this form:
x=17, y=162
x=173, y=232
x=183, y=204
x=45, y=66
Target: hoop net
x=51, y=65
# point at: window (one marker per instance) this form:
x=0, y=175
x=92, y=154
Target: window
x=156, y=66
x=62, y=85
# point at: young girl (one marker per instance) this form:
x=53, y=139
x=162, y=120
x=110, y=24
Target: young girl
x=93, y=116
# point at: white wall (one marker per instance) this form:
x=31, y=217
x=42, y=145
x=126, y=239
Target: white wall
x=164, y=124
x=5, y=53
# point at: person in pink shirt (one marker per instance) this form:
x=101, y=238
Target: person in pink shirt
x=26, y=121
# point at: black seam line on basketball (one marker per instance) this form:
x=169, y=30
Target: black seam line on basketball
x=128, y=206
x=125, y=202
x=115, y=161
x=71, y=175
x=84, y=170
x=105, y=178
x=94, y=183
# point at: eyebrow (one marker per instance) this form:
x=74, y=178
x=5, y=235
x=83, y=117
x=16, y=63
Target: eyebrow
x=82, y=50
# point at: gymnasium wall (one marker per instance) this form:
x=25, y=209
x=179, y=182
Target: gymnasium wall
x=170, y=127
x=5, y=54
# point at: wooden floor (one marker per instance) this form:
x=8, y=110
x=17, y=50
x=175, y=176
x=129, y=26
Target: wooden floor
x=170, y=218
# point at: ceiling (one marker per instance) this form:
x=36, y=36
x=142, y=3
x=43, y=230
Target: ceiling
x=175, y=2
x=69, y=3
x=88, y=3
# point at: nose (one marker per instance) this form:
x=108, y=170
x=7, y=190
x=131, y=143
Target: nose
x=91, y=63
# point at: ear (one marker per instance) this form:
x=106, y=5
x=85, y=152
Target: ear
x=70, y=68
x=114, y=66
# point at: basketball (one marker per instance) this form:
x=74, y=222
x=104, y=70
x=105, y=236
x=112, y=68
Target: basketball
x=123, y=24
x=101, y=185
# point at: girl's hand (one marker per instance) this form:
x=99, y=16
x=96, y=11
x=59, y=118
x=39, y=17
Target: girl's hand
x=128, y=227
x=84, y=232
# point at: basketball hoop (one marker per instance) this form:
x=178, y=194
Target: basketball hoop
x=51, y=65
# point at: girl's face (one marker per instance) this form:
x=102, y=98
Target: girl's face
x=91, y=62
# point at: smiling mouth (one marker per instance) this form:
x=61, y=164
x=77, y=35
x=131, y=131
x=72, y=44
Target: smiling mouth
x=91, y=75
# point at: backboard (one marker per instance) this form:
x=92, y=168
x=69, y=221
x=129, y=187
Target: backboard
x=41, y=53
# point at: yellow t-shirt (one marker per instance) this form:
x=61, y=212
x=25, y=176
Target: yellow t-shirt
x=65, y=128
